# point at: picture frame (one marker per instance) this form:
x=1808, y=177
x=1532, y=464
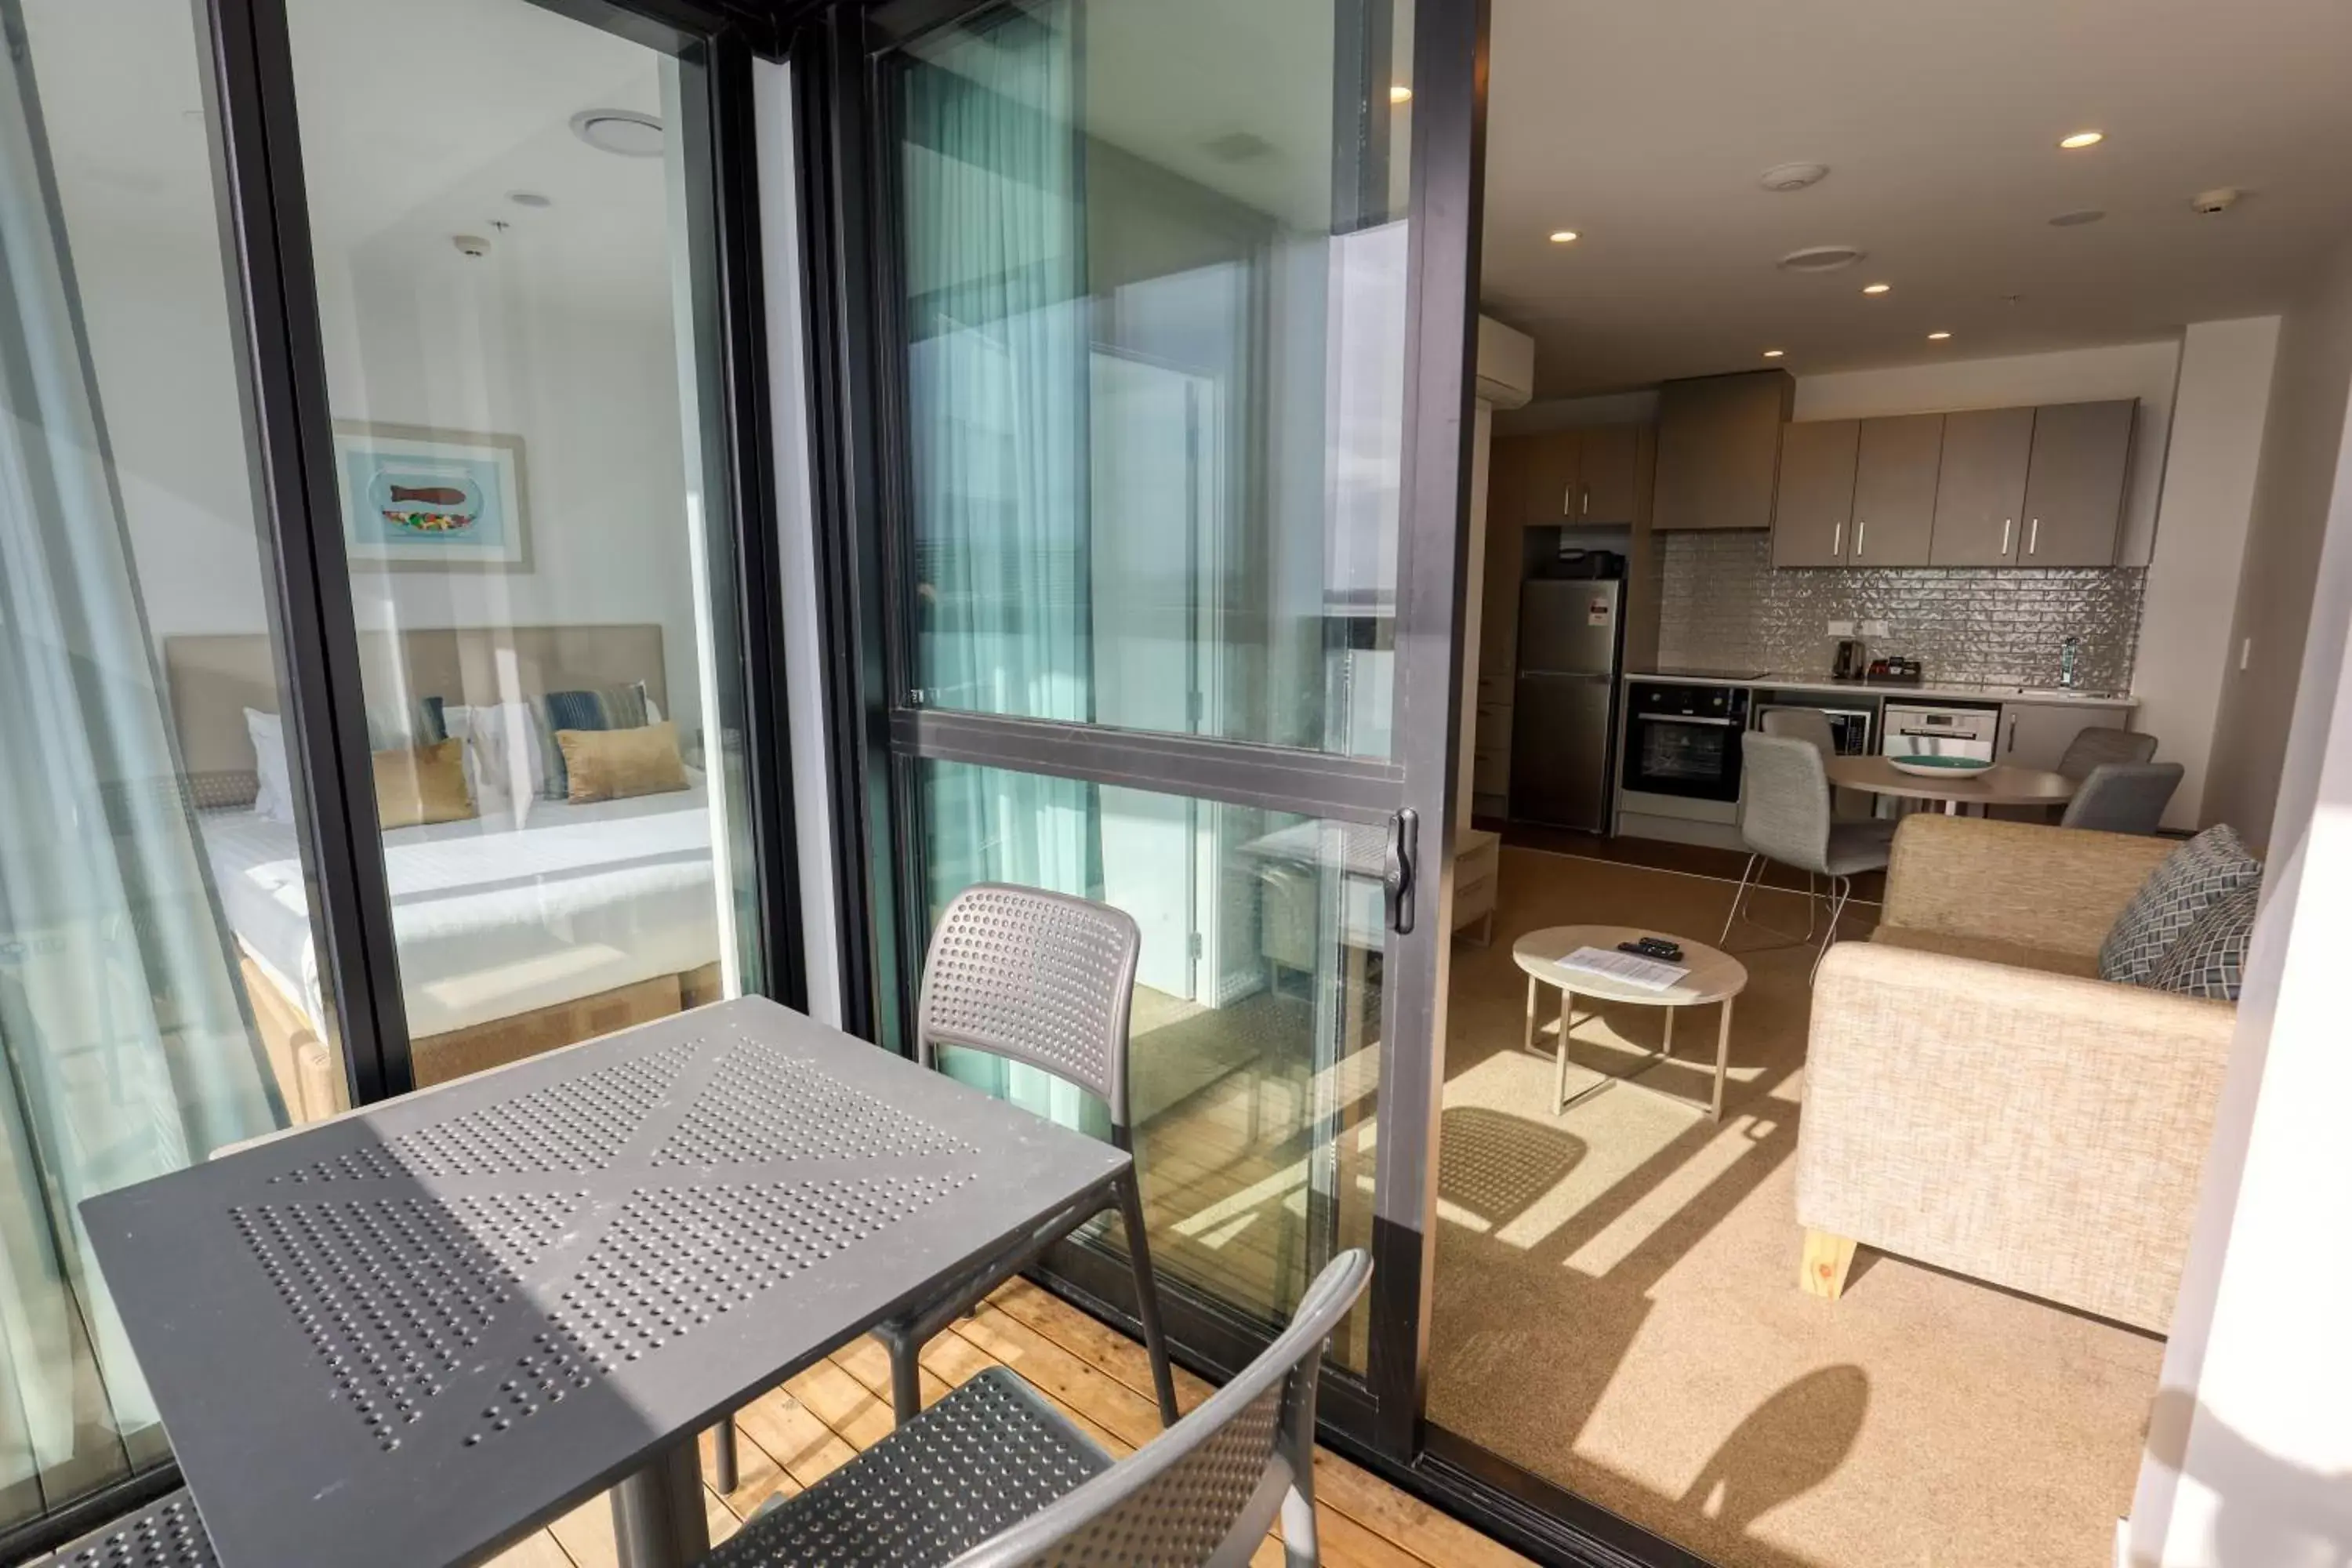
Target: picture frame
x=419, y=498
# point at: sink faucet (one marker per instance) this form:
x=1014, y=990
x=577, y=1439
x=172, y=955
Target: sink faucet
x=2069, y=652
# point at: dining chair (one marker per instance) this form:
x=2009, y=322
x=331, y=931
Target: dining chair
x=993, y=1476
x=1785, y=816
x=2096, y=743
x=1803, y=724
x=2124, y=797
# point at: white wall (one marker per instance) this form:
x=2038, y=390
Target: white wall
x=2144, y=371
x=2274, y=612
x=2249, y=1460
x=2201, y=522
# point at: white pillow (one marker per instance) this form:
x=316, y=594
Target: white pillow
x=502, y=757
x=274, y=797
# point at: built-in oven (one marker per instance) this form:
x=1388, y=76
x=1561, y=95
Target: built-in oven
x=1684, y=741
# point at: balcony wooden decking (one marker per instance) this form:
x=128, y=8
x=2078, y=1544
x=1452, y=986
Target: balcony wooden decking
x=822, y=1418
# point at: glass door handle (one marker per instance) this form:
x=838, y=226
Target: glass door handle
x=1397, y=869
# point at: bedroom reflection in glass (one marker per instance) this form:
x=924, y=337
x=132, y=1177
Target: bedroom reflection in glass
x=514, y=380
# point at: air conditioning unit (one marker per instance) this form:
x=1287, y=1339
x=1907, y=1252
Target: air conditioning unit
x=1506, y=364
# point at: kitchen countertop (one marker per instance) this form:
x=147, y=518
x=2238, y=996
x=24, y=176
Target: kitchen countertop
x=1943, y=691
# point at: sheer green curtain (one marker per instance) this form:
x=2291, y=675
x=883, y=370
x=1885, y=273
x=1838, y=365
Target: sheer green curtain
x=998, y=321
x=125, y=1049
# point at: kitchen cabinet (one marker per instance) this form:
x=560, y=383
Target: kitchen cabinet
x=1608, y=464
x=2075, y=483
x=1981, y=487
x=1566, y=478
x=1720, y=449
x=1895, y=468
x=1813, y=514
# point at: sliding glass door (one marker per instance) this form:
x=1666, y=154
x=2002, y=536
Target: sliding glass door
x=1173, y=339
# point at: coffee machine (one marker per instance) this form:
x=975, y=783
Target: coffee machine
x=1852, y=661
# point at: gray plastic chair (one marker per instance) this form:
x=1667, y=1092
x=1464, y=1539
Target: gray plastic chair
x=1802, y=724
x=1784, y=816
x=2096, y=743
x=1044, y=979
x=165, y=1533
x=994, y=1477
x=2124, y=797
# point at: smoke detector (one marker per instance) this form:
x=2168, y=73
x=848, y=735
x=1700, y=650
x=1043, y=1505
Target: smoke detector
x=2220, y=199
x=1791, y=177
x=621, y=131
x=1819, y=258
x=472, y=245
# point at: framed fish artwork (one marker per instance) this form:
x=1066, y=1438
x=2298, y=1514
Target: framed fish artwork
x=414, y=497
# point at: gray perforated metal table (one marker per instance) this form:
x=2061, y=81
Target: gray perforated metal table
x=411, y=1336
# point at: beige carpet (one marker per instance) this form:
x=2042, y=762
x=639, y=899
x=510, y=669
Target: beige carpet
x=1617, y=1307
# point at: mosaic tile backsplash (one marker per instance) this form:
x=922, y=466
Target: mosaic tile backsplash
x=1722, y=606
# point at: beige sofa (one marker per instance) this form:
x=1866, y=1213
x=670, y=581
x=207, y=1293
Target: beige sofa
x=1977, y=1098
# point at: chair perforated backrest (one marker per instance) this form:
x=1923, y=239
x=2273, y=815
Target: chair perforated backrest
x=1784, y=800
x=1204, y=1493
x=2096, y=743
x=1035, y=977
x=1803, y=724
x=2124, y=797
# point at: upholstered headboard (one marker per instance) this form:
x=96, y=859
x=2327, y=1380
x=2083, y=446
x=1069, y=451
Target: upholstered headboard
x=213, y=679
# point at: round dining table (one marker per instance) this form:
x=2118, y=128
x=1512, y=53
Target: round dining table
x=2003, y=784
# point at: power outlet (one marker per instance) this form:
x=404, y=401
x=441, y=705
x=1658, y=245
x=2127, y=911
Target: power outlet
x=1840, y=628
x=1874, y=629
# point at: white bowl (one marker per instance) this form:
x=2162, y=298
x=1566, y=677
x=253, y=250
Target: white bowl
x=1939, y=767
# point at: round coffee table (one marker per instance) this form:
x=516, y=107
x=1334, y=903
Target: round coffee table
x=1715, y=976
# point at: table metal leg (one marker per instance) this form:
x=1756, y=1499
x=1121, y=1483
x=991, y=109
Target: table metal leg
x=1560, y=1060
x=1722, y=1058
x=1952, y=808
x=1530, y=1042
x=1667, y=1048
x=657, y=1518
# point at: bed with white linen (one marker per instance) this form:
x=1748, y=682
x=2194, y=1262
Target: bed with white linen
x=512, y=937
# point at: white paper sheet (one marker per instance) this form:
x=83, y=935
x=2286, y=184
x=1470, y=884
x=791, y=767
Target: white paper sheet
x=1625, y=967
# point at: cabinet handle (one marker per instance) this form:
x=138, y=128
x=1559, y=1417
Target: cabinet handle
x=1837, y=540
x=1860, y=526
x=1567, y=500
x=2033, y=539
x=2006, y=524
x=2011, y=746
x=1586, y=504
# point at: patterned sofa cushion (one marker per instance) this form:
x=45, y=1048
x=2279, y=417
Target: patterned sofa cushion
x=2177, y=894
x=2210, y=960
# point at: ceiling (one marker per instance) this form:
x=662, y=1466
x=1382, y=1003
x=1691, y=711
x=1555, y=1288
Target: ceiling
x=417, y=120
x=1644, y=128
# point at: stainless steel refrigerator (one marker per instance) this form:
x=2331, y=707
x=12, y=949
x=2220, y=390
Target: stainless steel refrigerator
x=1571, y=632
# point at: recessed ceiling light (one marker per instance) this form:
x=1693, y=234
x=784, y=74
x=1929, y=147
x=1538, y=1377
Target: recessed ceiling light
x=1563, y=237
x=1938, y=337
x=621, y=131
x=2075, y=219
x=2082, y=139
x=530, y=199
x=1774, y=353
x=1876, y=287
x=1399, y=93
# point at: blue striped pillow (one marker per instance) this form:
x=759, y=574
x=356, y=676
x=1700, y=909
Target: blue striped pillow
x=610, y=708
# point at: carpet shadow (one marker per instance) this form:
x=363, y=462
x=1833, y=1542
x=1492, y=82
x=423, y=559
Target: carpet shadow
x=1496, y=1167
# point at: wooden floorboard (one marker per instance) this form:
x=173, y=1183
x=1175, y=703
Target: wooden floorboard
x=1101, y=1379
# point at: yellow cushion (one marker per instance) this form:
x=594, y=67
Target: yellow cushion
x=615, y=764
x=425, y=784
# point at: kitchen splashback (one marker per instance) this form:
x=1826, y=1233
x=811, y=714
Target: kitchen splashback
x=1723, y=607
